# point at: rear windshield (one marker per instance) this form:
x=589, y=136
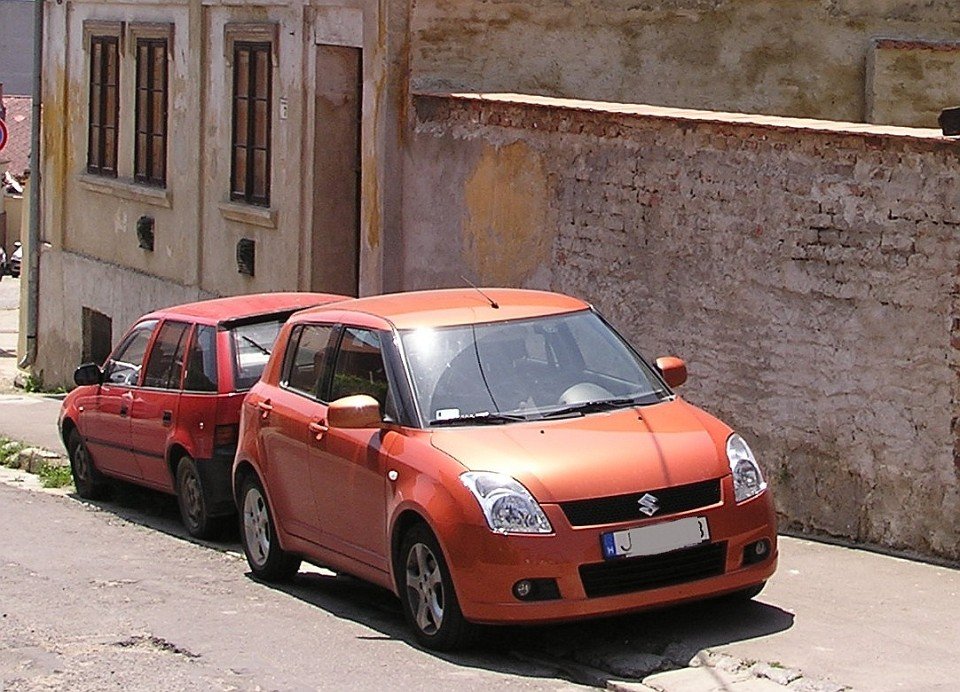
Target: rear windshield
x=252, y=344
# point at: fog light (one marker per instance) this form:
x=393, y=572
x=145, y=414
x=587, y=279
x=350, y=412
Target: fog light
x=756, y=552
x=536, y=590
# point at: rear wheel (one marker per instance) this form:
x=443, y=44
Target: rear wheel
x=426, y=590
x=194, y=509
x=267, y=560
x=87, y=480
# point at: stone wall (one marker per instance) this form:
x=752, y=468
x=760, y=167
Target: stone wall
x=805, y=58
x=807, y=272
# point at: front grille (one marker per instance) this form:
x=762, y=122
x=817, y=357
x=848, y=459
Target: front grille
x=619, y=508
x=653, y=571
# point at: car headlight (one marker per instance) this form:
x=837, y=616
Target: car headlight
x=747, y=478
x=507, y=505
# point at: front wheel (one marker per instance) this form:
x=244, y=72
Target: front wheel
x=194, y=510
x=87, y=480
x=267, y=560
x=426, y=591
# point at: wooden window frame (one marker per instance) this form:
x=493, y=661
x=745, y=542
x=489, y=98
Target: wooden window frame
x=244, y=142
x=103, y=122
x=149, y=164
x=241, y=187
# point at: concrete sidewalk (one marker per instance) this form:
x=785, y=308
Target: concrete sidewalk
x=27, y=418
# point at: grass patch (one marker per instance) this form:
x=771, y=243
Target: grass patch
x=9, y=451
x=54, y=476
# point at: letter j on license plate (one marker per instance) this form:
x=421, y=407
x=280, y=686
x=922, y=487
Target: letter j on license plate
x=656, y=538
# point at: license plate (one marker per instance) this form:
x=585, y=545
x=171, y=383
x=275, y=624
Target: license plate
x=655, y=539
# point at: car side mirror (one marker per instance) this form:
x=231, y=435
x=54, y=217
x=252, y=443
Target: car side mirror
x=357, y=411
x=673, y=369
x=88, y=373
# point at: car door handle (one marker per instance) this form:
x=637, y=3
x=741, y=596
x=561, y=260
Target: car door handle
x=265, y=408
x=318, y=429
x=123, y=410
x=167, y=417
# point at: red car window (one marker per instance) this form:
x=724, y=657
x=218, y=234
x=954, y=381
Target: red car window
x=359, y=368
x=123, y=366
x=202, y=361
x=166, y=357
x=307, y=365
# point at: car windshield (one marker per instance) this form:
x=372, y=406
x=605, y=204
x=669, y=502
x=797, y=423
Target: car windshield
x=500, y=372
x=252, y=344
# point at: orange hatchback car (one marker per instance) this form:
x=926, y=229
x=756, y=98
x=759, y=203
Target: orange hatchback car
x=495, y=456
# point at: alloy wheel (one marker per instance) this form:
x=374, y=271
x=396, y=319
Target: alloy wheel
x=256, y=526
x=425, y=588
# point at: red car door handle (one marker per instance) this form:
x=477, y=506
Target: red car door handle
x=318, y=428
x=123, y=410
x=265, y=408
x=167, y=417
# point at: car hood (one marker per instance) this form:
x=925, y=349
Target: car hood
x=602, y=454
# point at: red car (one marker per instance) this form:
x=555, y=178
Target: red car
x=501, y=456
x=164, y=409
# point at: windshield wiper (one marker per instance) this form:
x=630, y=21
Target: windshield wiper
x=481, y=418
x=584, y=407
x=265, y=351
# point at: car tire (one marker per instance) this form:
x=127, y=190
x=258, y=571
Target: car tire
x=258, y=534
x=426, y=592
x=90, y=484
x=193, y=504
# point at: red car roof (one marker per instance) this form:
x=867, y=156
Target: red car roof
x=217, y=310
x=455, y=306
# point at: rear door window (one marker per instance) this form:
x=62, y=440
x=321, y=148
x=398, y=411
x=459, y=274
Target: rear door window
x=202, y=361
x=165, y=364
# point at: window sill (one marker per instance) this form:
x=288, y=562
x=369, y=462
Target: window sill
x=264, y=217
x=127, y=189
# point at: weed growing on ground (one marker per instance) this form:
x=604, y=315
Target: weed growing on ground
x=33, y=384
x=53, y=476
x=9, y=451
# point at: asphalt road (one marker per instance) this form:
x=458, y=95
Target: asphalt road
x=113, y=596
x=91, y=601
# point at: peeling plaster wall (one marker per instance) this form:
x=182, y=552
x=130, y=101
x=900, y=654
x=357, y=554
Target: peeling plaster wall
x=806, y=271
x=804, y=58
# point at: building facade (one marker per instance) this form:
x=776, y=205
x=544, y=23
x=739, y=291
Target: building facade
x=193, y=149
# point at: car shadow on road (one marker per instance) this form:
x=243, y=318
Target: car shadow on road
x=590, y=652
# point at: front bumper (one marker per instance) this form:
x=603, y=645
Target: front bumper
x=486, y=566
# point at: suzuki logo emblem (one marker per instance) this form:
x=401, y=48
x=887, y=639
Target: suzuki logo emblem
x=649, y=504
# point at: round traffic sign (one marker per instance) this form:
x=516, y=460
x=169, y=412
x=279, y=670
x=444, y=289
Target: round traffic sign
x=3, y=135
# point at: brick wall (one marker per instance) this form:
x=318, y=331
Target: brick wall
x=807, y=271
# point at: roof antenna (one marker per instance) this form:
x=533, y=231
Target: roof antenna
x=490, y=300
